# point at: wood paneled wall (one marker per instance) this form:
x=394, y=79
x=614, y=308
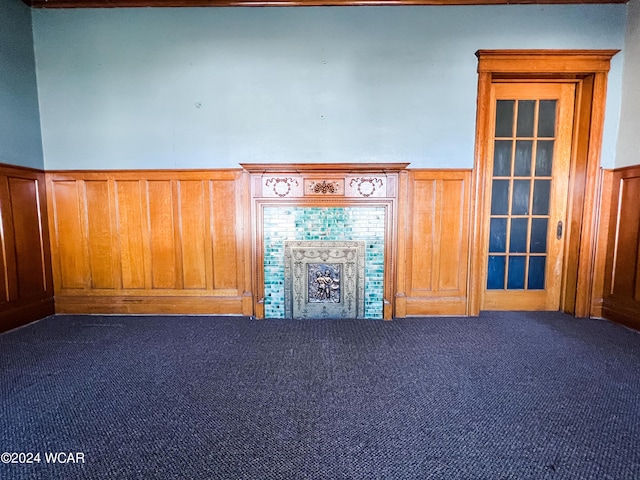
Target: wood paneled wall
x=434, y=243
x=180, y=242
x=621, y=298
x=26, y=287
x=149, y=241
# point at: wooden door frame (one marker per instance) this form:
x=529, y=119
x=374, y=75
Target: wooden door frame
x=588, y=69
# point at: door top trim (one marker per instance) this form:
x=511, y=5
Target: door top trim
x=544, y=61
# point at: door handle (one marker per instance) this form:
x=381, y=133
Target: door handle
x=559, y=230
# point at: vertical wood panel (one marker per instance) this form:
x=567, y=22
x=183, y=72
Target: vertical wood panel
x=8, y=273
x=621, y=300
x=68, y=232
x=423, y=224
x=626, y=265
x=25, y=260
x=223, y=206
x=452, y=210
x=193, y=233
x=29, y=248
x=437, y=242
x=636, y=295
x=99, y=235
x=4, y=280
x=130, y=240
x=161, y=233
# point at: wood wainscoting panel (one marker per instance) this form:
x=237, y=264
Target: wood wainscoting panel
x=436, y=251
x=161, y=234
x=26, y=286
x=27, y=228
x=621, y=300
x=224, y=223
x=195, y=243
x=147, y=241
x=99, y=234
x=70, y=270
x=129, y=243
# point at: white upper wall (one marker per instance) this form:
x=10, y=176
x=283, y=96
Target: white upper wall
x=215, y=87
x=20, y=140
x=628, y=151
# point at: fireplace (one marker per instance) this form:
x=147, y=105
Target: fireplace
x=324, y=239
x=300, y=228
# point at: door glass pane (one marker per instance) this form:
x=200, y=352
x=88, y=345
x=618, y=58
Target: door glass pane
x=544, y=158
x=547, y=118
x=518, y=241
x=502, y=158
x=526, y=112
x=504, y=118
x=541, y=194
x=500, y=197
x=498, y=235
x=516, y=273
x=520, y=202
x=539, y=228
x=495, y=277
x=523, y=158
x=536, y=273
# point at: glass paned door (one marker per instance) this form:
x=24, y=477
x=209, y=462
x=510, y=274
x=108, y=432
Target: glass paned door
x=528, y=165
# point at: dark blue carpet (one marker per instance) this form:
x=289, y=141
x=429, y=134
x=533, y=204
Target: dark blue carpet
x=504, y=396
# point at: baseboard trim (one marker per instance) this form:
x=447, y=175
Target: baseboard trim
x=424, y=307
x=149, y=305
x=25, y=313
x=625, y=312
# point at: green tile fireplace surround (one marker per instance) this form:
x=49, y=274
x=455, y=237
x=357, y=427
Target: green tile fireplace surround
x=357, y=223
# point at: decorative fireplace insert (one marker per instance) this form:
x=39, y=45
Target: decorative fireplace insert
x=324, y=279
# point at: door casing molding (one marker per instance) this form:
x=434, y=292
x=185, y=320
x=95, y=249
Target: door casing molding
x=588, y=69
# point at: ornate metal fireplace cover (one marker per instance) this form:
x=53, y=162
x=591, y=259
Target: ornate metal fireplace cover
x=324, y=279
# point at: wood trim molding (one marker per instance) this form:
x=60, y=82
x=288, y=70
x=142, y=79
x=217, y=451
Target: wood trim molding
x=553, y=62
x=285, y=3
x=22, y=313
x=605, y=186
x=341, y=168
x=588, y=69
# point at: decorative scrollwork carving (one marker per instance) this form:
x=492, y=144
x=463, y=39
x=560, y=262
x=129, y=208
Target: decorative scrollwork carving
x=282, y=185
x=324, y=187
x=367, y=186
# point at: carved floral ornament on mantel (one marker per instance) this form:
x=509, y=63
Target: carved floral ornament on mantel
x=281, y=186
x=367, y=186
x=325, y=187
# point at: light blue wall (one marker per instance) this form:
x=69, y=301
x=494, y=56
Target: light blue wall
x=20, y=141
x=214, y=87
x=628, y=152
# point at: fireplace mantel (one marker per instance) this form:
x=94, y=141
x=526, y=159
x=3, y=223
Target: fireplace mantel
x=348, y=180
x=325, y=185
x=305, y=168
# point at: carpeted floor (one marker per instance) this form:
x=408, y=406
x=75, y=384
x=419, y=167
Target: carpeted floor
x=503, y=396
